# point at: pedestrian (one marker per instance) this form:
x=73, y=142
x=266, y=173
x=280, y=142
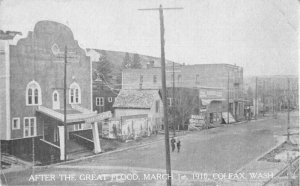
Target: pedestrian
x=178, y=145
x=173, y=141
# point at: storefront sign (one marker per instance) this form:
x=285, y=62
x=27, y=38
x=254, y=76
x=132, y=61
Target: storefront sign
x=198, y=120
x=99, y=117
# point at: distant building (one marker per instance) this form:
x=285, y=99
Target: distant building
x=272, y=92
x=219, y=80
x=137, y=102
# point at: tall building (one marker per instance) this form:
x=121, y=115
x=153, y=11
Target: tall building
x=32, y=91
x=215, y=82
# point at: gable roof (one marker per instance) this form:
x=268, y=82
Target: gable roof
x=136, y=99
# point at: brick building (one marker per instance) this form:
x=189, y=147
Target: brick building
x=32, y=81
x=210, y=78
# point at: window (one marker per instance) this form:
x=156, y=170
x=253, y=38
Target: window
x=15, y=123
x=110, y=99
x=141, y=79
x=219, y=93
x=78, y=127
x=99, y=101
x=179, y=78
x=203, y=93
x=211, y=93
x=169, y=101
x=157, y=106
x=154, y=79
x=33, y=94
x=55, y=100
x=197, y=79
x=29, y=126
x=74, y=94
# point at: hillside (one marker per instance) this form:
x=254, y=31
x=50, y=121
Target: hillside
x=116, y=58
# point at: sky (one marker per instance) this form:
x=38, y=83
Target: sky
x=259, y=35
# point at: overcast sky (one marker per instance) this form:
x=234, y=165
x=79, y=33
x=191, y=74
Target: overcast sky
x=259, y=35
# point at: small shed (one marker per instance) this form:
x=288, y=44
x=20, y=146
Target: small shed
x=137, y=102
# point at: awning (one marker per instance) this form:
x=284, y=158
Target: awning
x=208, y=101
x=75, y=114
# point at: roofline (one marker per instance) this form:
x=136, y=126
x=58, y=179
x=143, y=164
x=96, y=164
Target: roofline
x=183, y=66
x=130, y=107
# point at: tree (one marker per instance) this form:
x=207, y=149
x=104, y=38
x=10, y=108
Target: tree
x=136, y=63
x=126, y=61
x=186, y=103
x=104, y=67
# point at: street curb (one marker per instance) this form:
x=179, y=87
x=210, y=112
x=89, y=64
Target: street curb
x=100, y=154
x=121, y=149
x=109, y=152
x=260, y=156
x=88, y=157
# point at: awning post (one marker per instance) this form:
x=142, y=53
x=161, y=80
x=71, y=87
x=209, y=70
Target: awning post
x=96, y=139
x=62, y=144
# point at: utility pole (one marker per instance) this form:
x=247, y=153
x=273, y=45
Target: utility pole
x=274, y=115
x=65, y=100
x=228, y=97
x=163, y=79
x=264, y=98
x=0, y=157
x=256, y=101
x=64, y=56
x=288, y=112
x=173, y=94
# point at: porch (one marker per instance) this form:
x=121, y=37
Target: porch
x=67, y=140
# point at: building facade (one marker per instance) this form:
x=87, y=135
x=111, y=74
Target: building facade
x=222, y=80
x=32, y=96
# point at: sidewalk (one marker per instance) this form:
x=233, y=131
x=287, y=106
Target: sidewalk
x=121, y=146
x=269, y=171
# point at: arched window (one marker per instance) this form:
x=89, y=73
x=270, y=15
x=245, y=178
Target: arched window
x=33, y=94
x=74, y=94
x=55, y=100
